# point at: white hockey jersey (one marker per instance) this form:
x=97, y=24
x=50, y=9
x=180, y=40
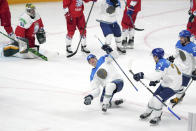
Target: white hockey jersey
x=186, y=57
x=168, y=73
x=104, y=16
x=104, y=62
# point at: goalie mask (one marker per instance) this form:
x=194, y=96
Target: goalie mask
x=30, y=10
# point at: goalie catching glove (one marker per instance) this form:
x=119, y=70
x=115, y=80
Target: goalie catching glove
x=41, y=36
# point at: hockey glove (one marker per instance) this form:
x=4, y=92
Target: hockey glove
x=130, y=10
x=194, y=75
x=88, y=99
x=41, y=36
x=153, y=83
x=189, y=12
x=191, y=18
x=107, y=48
x=68, y=15
x=114, y=3
x=171, y=59
x=138, y=76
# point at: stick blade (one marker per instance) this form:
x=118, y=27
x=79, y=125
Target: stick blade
x=137, y=29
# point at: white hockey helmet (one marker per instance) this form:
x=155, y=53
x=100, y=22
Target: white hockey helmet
x=30, y=9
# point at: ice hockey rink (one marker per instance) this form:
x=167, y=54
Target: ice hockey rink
x=36, y=95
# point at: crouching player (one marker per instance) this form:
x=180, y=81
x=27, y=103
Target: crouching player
x=104, y=75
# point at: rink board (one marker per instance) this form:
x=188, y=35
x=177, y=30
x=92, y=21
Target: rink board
x=27, y=1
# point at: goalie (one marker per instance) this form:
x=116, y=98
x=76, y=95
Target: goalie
x=30, y=24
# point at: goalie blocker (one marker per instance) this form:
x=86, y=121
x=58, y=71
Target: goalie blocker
x=41, y=36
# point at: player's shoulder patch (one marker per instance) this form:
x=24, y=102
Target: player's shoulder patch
x=24, y=20
x=162, y=64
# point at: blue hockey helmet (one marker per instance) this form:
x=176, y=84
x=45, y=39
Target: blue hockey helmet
x=185, y=33
x=90, y=56
x=159, y=52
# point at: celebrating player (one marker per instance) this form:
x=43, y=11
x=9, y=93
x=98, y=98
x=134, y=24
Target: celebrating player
x=185, y=58
x=130, y=13
x=171, y=80
x=104, y=74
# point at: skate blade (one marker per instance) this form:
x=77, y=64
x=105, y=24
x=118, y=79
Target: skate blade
x=155, y=124
x=67, y=54
x=121, y=53
x=130, y=47
x=145, y=119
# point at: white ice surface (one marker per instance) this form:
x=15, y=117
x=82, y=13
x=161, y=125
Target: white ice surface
x=48, y=96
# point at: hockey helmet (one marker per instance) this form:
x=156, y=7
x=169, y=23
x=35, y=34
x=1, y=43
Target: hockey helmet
x=30, y=9
x=159, y=52
x=185, y=33
x=90, y=56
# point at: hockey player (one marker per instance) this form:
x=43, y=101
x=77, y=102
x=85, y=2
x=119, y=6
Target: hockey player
x=73, y=10
x=5, y=18
x=191, y=25
x=185, y=58
x=104, y=74
x=108, y=22
x=30, y=24
x=130, y=13
x=171, y=80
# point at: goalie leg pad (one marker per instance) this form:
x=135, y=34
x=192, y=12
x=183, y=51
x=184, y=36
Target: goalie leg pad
x=10, y=50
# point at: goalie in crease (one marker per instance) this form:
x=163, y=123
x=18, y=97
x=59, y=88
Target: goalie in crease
x=30, y=25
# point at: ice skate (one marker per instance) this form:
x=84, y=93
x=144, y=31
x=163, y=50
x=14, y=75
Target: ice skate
x=84, y=49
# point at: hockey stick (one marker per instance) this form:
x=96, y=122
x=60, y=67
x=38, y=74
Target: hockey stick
x=82, y=32
x=132, y=20
x=119, y=66
x=29, y=49
x=158, y=98
x=182, y=95
x=134, y=25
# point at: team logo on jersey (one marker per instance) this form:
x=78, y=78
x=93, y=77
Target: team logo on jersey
x=22, y=22
x=36, y=28
x=79, y=3
x=194, y=49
